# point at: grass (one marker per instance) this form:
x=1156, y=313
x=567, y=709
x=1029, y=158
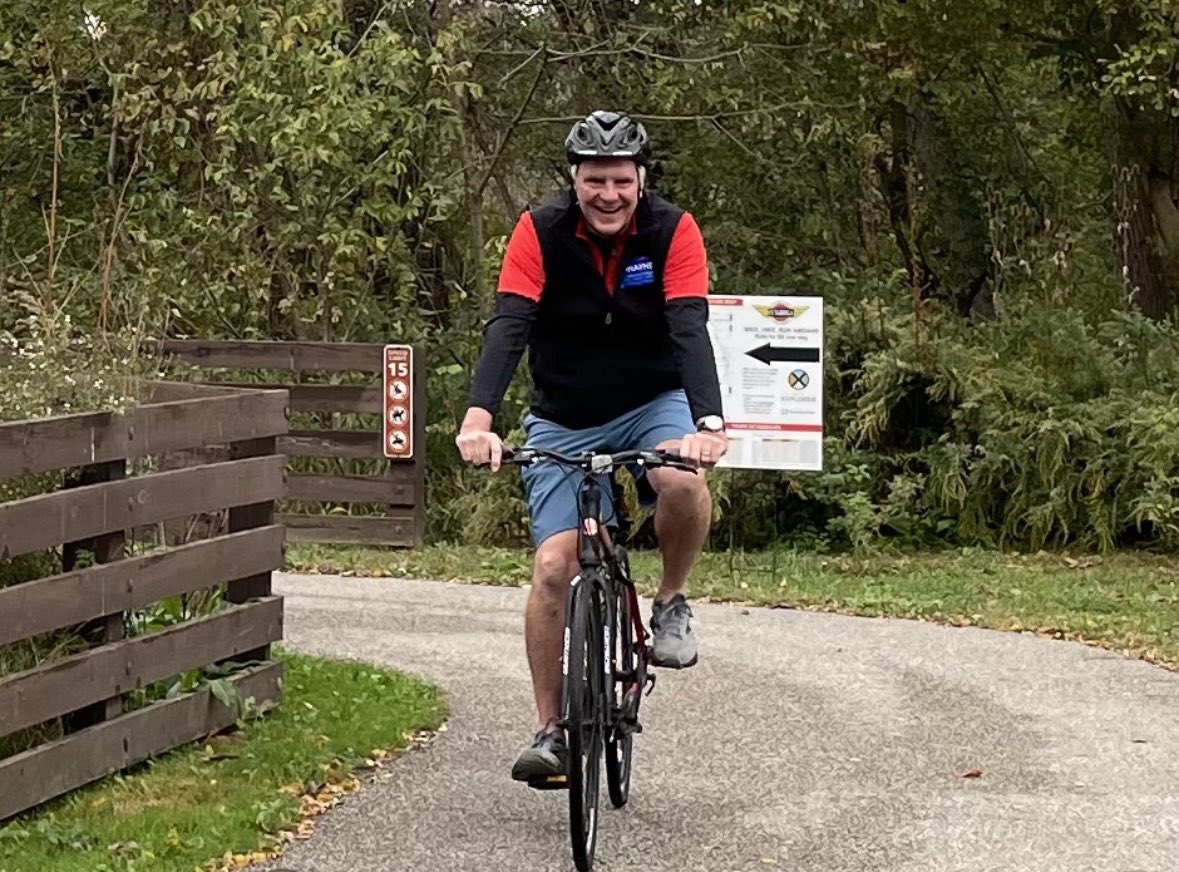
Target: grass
x=1127, y=601
x=238, y=797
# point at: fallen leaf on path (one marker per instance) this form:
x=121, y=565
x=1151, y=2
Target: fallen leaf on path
x=973, y=773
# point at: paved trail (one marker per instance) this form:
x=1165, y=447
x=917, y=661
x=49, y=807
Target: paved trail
x=802, y=741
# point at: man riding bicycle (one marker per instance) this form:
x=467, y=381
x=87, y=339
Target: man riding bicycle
x=607, y=286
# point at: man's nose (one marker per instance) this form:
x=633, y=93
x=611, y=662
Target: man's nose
x=610, y=191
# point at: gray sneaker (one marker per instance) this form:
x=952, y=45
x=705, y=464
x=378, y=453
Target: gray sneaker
x=675, y=644
x=543, y=763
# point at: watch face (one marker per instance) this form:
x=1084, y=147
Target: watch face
x=712, y=422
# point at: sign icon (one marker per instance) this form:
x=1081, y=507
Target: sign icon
x=780, y=312
x=397, y=411
x=799, y=379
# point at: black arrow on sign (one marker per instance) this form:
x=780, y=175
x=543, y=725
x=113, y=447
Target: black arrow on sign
x=768, y=354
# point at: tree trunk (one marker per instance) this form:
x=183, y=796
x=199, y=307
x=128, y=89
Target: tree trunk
x=956, y=240
x=1146, y=220
x=897, y=186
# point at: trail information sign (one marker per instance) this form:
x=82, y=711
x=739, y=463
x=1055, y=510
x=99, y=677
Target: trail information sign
x=769, y=357
x=398, y=402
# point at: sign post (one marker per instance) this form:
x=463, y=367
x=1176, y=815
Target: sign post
x=769, y=358
x=397, y=437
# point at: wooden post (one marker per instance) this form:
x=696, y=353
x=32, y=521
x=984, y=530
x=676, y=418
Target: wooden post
x=247, y=517
x=106, y=548
x=419, y=441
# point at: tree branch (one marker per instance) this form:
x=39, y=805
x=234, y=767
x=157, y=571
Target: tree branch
x=117, y=221
x=481, y=185
x=1010, y=121
x=648, y=55
x=566, y=55
x=710, y=117
x=51, y=219
x=745, y=148
x=380, y=12
x=510, y=74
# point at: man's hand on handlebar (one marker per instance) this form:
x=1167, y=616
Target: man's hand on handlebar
x=704, y=448
x=477, y=443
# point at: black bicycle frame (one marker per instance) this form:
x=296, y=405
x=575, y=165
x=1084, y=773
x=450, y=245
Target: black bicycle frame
x=593, y=542
x=591, y=539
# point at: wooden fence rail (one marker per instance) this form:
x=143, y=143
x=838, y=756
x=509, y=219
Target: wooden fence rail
x=84, y=696
x=399, y=491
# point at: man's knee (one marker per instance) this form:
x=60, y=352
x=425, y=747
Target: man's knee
x=556, y=562
x=680, y=488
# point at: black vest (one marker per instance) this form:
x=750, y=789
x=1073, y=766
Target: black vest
x=596, y=353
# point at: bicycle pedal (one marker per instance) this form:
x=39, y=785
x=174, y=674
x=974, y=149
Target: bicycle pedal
x=550, y=782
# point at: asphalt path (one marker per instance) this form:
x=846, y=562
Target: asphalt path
x=801, y=741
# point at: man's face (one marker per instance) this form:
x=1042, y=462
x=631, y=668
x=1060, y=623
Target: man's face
x=607, y=190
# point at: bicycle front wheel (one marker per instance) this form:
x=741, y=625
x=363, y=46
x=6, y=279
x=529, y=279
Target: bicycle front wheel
x=626, y=688
x=584, y=713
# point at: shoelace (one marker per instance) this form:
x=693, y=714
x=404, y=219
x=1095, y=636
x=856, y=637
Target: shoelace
x=675, y=618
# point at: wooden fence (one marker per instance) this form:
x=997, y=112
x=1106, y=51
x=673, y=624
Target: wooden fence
x=80, y=701
x=398, y=494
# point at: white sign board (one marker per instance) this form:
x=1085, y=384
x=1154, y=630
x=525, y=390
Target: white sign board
x=769, y=357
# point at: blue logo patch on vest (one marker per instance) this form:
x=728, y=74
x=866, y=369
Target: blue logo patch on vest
x=638, y=272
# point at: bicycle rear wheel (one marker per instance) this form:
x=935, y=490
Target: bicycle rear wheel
x=627, y=681
x=584, y=713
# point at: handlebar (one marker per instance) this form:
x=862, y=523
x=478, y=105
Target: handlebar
x=597, y=462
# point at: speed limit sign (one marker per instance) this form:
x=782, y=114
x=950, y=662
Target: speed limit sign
x=398, y=402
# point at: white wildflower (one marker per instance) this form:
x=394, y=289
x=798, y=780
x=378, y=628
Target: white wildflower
x=94, y=26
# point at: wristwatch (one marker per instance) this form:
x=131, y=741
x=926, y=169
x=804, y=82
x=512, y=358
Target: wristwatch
x=711, y=424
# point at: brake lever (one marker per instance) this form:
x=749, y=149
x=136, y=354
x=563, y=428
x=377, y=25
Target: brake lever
x=507, y=455
x=669, y=458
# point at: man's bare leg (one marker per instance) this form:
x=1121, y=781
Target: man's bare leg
x=544, y=622
x=683, y=516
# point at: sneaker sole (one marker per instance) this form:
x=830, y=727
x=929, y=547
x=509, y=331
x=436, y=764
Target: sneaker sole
x=550, y=782
x=673, y=664
x=536, y=770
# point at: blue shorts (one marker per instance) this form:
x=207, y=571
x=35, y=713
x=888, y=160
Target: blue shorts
x=552, y=488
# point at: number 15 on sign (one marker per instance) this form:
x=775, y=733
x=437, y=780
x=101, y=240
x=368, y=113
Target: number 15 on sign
x=397, y=404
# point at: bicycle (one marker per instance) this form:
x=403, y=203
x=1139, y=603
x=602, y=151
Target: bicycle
x=605, y=659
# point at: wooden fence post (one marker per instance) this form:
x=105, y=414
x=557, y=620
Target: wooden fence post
x=419, y=441
x=247, y=517
x=106, y=549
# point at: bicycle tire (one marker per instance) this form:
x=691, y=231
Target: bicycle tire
x=626, y=690
x=584, y=718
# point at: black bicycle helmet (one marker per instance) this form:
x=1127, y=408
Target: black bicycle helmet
x=608, y=134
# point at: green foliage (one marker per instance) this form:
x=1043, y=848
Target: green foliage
x=1047, y=429
x=302, y=169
